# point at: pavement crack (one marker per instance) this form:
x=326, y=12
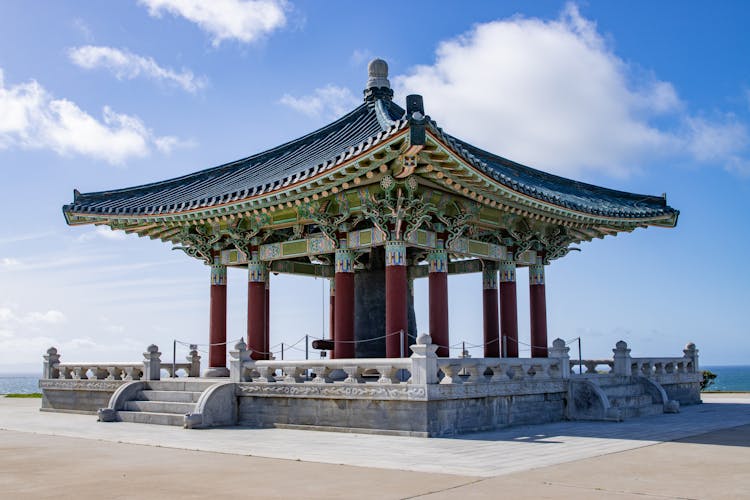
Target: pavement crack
x=468, y=483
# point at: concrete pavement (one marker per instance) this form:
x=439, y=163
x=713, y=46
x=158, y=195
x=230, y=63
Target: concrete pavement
x=588, y=460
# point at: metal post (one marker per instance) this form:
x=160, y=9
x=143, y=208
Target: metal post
x=505, y=347
x=282, y=351
x=401, y=337
x=463, y=349
x=174, y=356
x=307, y=346
x=580, y=358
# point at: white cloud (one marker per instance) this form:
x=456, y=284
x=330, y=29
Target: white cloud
x=51, y=317
x=8, y=262
x=328, y=102
x=31, y=118
x=104, y=232
x=245, y=21
x=126, y=65
x=9, y=318
x=553, y=94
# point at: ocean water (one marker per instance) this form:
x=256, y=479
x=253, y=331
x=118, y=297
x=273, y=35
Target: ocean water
x=729, y=378
x=21, y=383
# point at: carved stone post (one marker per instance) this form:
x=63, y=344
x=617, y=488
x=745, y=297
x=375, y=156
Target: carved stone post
x=51, y=363
x=691, y=354
x=195, y=364
x=560, y=351
x=239, y=359
x=622, y=361
x=152, y=363
x=424, y=368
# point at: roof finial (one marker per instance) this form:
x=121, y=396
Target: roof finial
x=378, y=86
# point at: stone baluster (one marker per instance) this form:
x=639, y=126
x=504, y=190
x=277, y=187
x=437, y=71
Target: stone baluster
x=516, y=372
x=352, y=374
x=195, y=363
x=691, y=355
x=292, y=374
x=239, y=358
x=451, y=370
x=499, y=370
x=78, y=372
x=113, y=373
x=471, y=368
x=266, y=374
x=622, y=360
x=50, y=367
x=321, y=374
x=152, y=363
x=560, y=352
x=424, y=366
x=388, y=373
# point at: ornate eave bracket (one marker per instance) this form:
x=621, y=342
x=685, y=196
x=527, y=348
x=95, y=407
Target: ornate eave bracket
x=199, y=242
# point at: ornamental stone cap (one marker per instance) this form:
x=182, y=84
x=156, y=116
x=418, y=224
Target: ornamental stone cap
x=377, y=72
x=378, y=86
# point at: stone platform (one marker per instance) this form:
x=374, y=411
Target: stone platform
x=422, y=395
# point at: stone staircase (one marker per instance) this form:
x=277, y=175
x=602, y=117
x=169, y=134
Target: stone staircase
x=615, y=398
x=163, y=402
x=629, y=396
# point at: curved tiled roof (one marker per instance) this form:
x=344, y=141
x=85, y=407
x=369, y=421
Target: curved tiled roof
x=362, y=128
x=560, y=191
x=296, y=160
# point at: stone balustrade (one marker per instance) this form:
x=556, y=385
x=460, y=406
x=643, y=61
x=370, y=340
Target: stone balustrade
x=593, y=366
x=423, y=367
x=625, y=365
x=148, y=369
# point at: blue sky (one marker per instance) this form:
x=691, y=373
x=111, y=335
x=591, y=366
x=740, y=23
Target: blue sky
x=639, y=96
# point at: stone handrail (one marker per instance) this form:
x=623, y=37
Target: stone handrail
x=625, y=365
x=148, y=369
x=594, y=366
x=423, y=367
x=478, y=370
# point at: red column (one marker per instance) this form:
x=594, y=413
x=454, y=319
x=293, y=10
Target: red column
x=256, y=308
x=438, y=297
x=489, y=307
x=217, y=351
x=343, y=333
x=332, y=306
x=508, y=309
x=538, y=309
x=396, y=300
x=267, y=317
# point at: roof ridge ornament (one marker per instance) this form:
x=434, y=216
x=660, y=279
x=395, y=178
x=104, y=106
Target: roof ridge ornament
x=378, y=86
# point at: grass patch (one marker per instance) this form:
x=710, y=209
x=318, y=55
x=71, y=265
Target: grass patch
x=31, y=395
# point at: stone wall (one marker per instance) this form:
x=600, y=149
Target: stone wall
x=82, y=396
x=401, y=413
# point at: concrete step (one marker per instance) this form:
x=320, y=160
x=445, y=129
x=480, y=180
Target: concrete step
x=630, y=401
x=172, y=396
x=160, y=407
x=623, y=390
x=644, y=411
x=142, y=417
x=180, y=384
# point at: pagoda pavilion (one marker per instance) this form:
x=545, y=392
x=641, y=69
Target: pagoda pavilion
x=372, y=201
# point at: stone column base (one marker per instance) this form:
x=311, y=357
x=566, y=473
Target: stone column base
x=220, y=371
